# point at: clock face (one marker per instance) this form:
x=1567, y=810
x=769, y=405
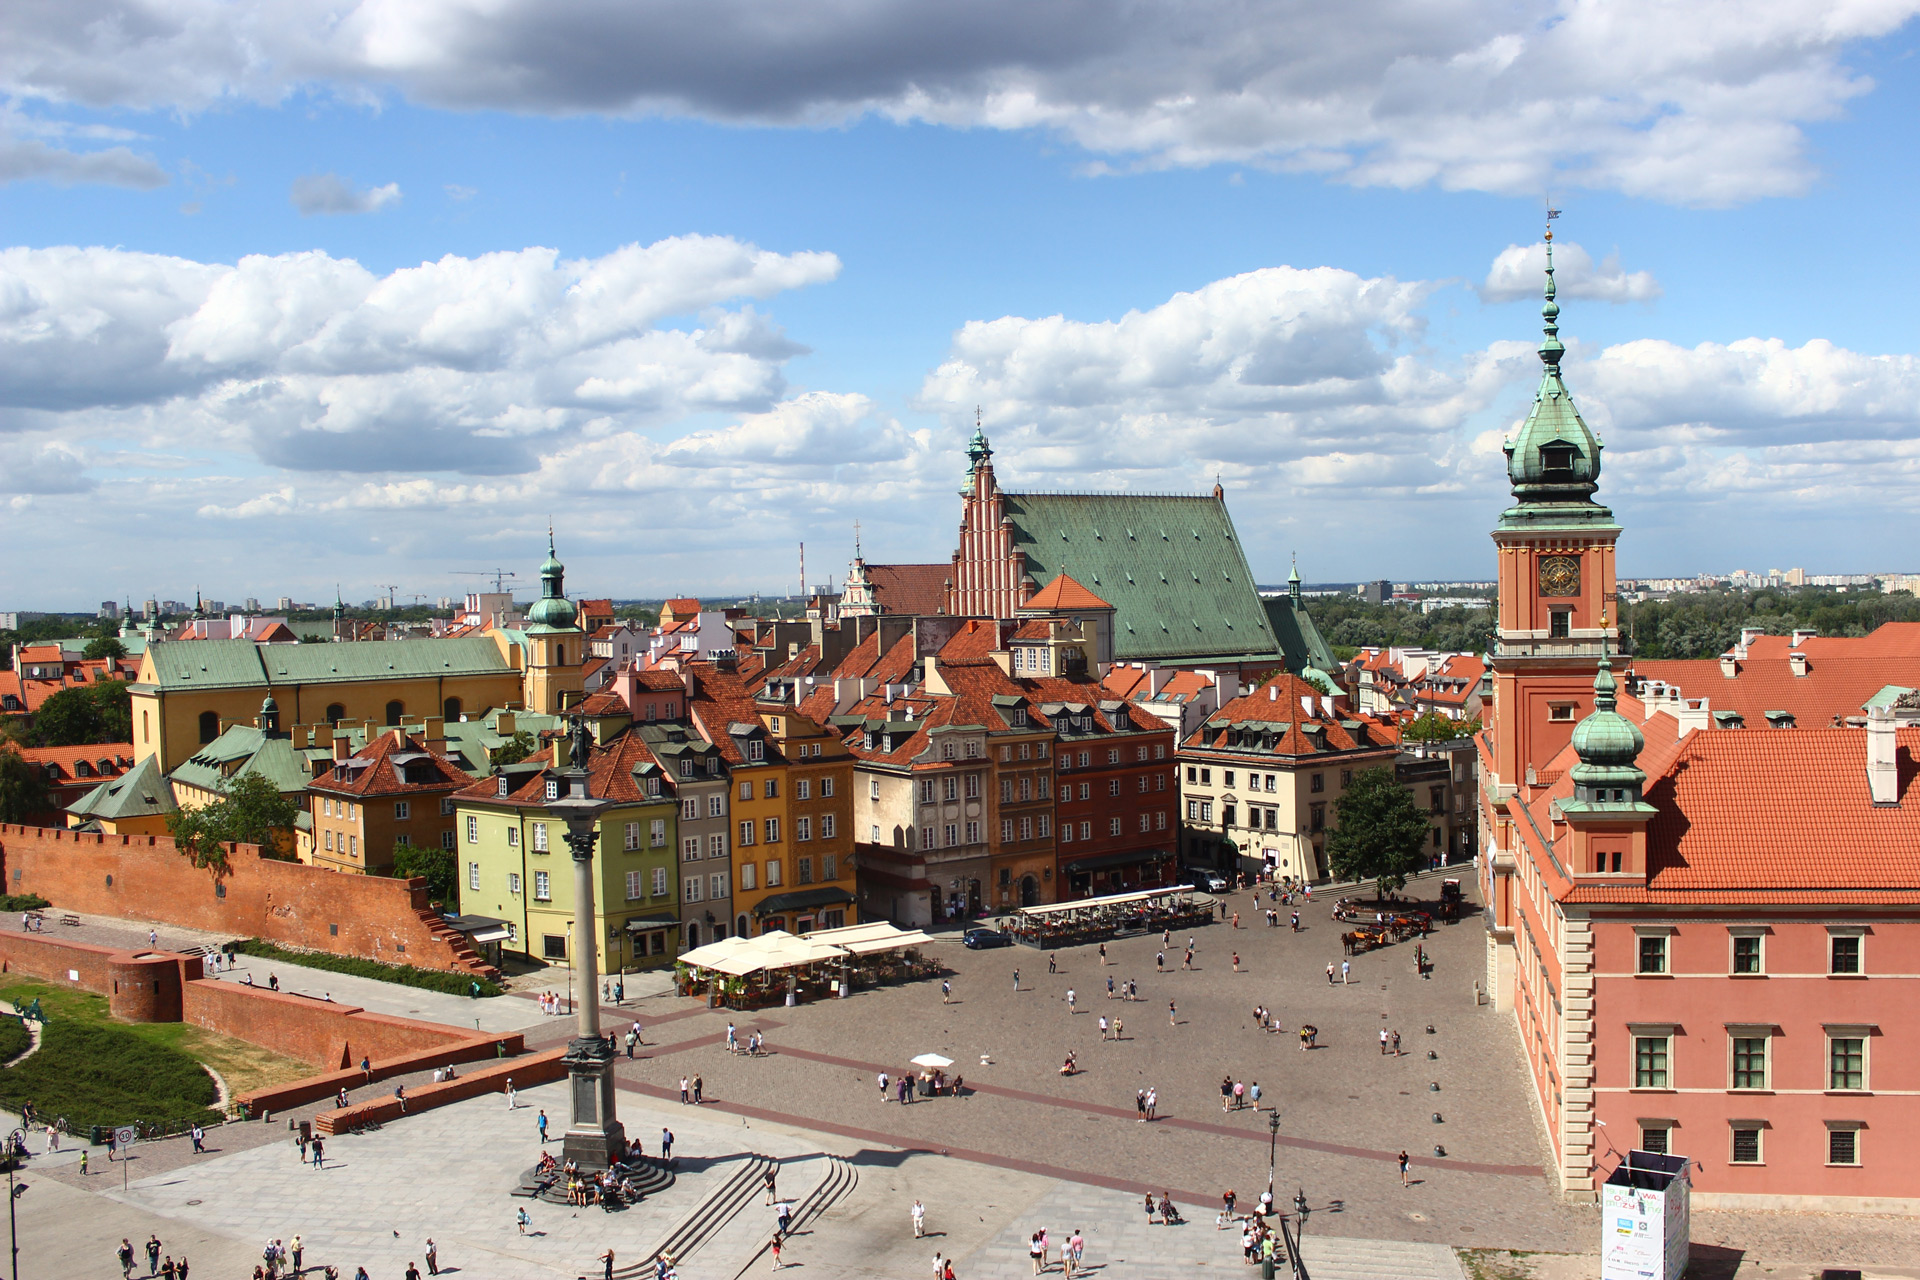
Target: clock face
x=1560, y=576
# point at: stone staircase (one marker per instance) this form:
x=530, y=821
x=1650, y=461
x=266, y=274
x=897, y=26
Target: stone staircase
x=838, y=1182
x=464, y=955
x=1337, y=1258
x=649, y=1176
x=713, y=1214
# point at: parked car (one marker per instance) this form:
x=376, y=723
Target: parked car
x=1206, y=881
x=978, y=939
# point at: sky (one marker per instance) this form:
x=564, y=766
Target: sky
x=313, y=293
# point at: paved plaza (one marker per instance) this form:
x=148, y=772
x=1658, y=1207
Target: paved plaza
x=1026, y=1147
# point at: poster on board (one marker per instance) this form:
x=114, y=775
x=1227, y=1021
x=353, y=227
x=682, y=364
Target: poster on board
x=1644, y=1218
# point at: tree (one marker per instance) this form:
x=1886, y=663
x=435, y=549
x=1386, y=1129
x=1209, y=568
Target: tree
x=104, y=647
x=251, y=811
x=1432, y=727
x=1379, y=834
x=515, y=749
x=437, y=865
x=23, y=789
x=94, y=713
x=1320, y=681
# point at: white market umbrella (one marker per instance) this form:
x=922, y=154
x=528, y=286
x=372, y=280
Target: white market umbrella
x=932, y=1060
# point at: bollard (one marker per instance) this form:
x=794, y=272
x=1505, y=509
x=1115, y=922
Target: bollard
x=1436, y=1118
x=1433, y=1086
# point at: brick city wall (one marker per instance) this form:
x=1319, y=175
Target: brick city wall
x=329, y=1035
x=146, y=878
x=55, y=959
x=540, y=1068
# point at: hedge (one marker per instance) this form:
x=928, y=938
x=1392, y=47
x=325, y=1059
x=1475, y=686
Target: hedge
x=453, y=984
x=105, y=1075
x=22, y=902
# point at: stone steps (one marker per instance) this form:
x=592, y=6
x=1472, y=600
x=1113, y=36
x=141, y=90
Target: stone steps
x=715, y=1212
x=1336, y=1258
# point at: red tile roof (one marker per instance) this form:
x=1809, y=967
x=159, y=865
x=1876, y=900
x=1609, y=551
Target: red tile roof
x=1842, y=673
x=918, y=589
x=1065, y=593
x=972, y=642
x=1280, y=701
x=378, y=774
x=105, y=759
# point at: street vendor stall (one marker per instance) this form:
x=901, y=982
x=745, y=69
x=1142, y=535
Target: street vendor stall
x=779, y=967
x=1083, y=920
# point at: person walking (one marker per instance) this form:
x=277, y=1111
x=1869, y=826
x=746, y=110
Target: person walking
x=523, y=1220
x=1329, y=973
x=1118, y=1026
x=1226, y=1093
x=153, y=1254
x=776, y=1255
x=513, y=1099
x=1053, y=962
x=1153, y=1103
x=1396, y=1044
x=125, y=1254
x=946, y=992
x=1239, y=1095
x=1103, y=1026
x=1253, y=1091
x=1070, y=1008
x=298, y=1249
x=1035, y=1252
x=883, y=1086
x=542, y=1122
x=411, y=1273
x=1172, y=1019
x=1077, y=1247
x=1160, y=961
x=666, y=1143
x=1109, y=986
x=1016, y=980
x=1296, y=922
x=686, y=1088
x=83, y=1164
x=1405, y=1162
x=1383, y=1042
x=699, y=1090
x=199, y=1140
x=1236, y=962
x=1103, y=955
x=919, y=1220
x=733, y=1041
x=319, y=1151
x=433, y=1257
x=1346, y=972
x=1140, y=1105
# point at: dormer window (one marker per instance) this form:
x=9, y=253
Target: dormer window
x=686, y=768
x=553, y=788
x=503, y=785
x=756, y=750
x=1556, y=458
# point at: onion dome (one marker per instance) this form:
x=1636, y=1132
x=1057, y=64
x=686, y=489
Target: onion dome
x=1555, y=457
x=1607, y=743
x=553, y=610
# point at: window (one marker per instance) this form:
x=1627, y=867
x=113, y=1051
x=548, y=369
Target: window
x=950, y=788
x=1193, y=775
x=1749, y=1062
x=1746, y=953
x=756, y=750
x=973, y=786
x=1227, y=813
x=1160, y=782
x=1159, y=820
x=658, y=831
x=826, y=784
x=1142, y=787
x=873, y=834
x=1650, y=1061
x=1206, y=777
x=803, y=828
x=689, y=809
x=1346, y=779
x=803, y=871
x=1653, y=953
x=1046, y=787
x=1113, y=786
x=686, y=768
x=634, y=891
x=473, y=875
x=542, y=887
x=749, y=875
x=830, y=867
x=717, y=884
x=659, y=882
x=1146, y=823
x=1560, y=711
x=446, y=806
x=1206, y=810
x=553, y=789
x=553, y=946
x=828, y=825
x=952, y=833
x=1086, y=758
x=1746, y=1144
x=773, y=830
x=717, y=846
x=973, y=750
x=746, y=789
x=1317, y=782
x=209, y=726
x=973, y=833
x=1653, y=1138
x=926, y=791
x=1086, y=791
x=1026, y=829
x=873, y=788
x=1086, y=831
x=1006, y=790
x=473, y=829
x=1226, y=778
x=690, y=849
x=772, y=788
x=329, y=841
x=513, y=837
x=1560, y=624
x=690, y=889
x=746, y=832
x=1317, y=817
x=403, y=840
x=1846, y=1061
x=773, y=873
x=1113, y=755
x=1066, y=833
x=803, y=789
x=926, y=838
x=1843, y=1144
x=946, y=751
x=513, y=883
x=539, y=837
x=1845, y=951
x=1046, y=825
x=716, y=805
x=1113, y=826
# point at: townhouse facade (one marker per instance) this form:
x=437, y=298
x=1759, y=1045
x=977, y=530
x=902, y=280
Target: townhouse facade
x=393, y=792
x=703, y=832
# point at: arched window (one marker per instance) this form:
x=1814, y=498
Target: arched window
x=209, y=725
x=450, y=709
x=395, y=710
x=559, y=655
x=335, y=713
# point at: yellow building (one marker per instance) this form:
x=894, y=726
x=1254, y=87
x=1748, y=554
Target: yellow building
x=391, y=793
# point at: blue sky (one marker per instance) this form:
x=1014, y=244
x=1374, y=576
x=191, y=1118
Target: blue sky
x=789, y=263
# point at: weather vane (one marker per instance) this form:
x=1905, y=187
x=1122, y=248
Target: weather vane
x=1552, y=213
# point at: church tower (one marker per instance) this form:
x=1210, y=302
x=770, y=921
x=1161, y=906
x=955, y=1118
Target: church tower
x=556, y=647
x=1556, y=571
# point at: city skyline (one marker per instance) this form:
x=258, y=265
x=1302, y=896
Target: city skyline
x=376, y=295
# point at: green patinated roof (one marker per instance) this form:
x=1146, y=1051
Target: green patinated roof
x=1171, y=566
x=272, y=757
x=139, y=792
x=1300, y=639
x=226, y=664
x=1888, y=695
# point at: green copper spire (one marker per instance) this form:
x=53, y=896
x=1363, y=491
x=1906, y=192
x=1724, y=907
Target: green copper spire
x=1293, y=581
x=1554, y=459
x=552, y=611
x=1608, y=744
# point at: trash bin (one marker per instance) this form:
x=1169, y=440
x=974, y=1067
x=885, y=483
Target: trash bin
x=1266, y=1269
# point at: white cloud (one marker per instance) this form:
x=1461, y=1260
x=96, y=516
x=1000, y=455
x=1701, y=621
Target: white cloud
x=1691, y=103
x=51, y=466
x=1520, y=272
x=330, y=193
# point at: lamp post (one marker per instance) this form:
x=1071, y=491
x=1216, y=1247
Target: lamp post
x=1300, y=1235
x=594, y=1138
x=1273, y=1146
x=16, y=1143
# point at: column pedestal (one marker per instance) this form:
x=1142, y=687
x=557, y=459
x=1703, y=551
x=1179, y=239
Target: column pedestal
x=595, y=1139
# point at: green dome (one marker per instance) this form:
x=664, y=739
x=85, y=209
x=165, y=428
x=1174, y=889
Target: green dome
x=553, y=611
x=1607, y=743
x=1555, y=457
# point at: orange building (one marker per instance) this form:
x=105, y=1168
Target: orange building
x=391, y=793
x=1707, y=930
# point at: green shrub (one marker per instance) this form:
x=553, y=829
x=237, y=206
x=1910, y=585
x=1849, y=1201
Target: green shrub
x=22, y=902
x=96, y=1074
x=453, y=984
x=14, y=1038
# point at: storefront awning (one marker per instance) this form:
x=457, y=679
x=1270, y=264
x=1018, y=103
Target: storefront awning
x=646, y=924
x=493, y=933
x=1108, y=860
x=801, y=900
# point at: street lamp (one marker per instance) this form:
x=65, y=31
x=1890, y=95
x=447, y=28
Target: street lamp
x=1273, y=1147
x=594, y=1138
x=16, y=1144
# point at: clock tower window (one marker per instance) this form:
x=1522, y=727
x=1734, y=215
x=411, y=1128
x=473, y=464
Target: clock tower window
x=1560, y=623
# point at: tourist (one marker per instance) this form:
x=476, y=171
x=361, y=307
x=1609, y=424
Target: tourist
x=1226, y=1093
x=1329, y=973
x=1396, y=1044
x=542, y=1123
x=946, y=992
x=666, y=1143
x=1140, y=1105
x=1172, y=1019
x=1153, y=1103
x=319, y=1152
x=433, y=1257
x=1053, y=965
x=699, y=1087
x=606, y=1260
x=400, y=1096
x=300, y=1139
x=1016, y=981
x=296, y=1249
x=1346, y=972
x=522, y=1220
x=1118, y=1026
x=1239, y=1095
x=1036, y=1251
x=1254, y=1091
x=1103, y=1026
x=153, y=1254
x=512, y=1100
x=125, y=1254
x=1070, y=1008
x=919, y=1220
x=686, y=1089
x=1405, y=1162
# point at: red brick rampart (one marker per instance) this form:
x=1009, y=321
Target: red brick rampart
x=146, y=878
x=75, y=964
x=539, y=1068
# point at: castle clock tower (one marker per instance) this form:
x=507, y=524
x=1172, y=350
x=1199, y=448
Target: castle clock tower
x=557, y=648
x=1556, y=572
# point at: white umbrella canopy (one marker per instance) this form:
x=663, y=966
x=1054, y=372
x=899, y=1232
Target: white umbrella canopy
x=932, y=1060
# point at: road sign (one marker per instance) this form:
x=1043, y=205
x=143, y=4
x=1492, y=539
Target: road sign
x=123, y=1136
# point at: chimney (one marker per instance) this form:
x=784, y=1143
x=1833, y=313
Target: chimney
x=504, y=726
x=1803, y=634
x=1798, y=661
x=1730, y=664
x=1273, y=693
x=342, y=746
x=1883, y=771
x=1749, y=634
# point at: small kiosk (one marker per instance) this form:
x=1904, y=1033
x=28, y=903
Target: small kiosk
x=1644, y=1218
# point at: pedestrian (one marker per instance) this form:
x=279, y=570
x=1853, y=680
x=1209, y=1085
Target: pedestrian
x=1236, y=962
x=125, y=1254
x=181, y=1274
x=433, y=1257
x=1187, y=963
x=273, y=982
x=686, y=1088
x=1103, y=1026
x=1053, y=962
x=319, y=1152
x=167, y=1269
x=1171, y=1020
x=1016, y=980
x=776, y=1254
x=1103, y=954
x=1236, y=919
x=939, y=1265
x=522, y=1220
x=542, y=1122
x=1036, y=1251
x=1329, y=973
x=1140, y=1105
x=83, y=1164
x=946, y=992
x=1253, y=1090
x=733, y=1044
x=1383, y=1042
x=1226, y=1093
x=1109, y=986
x=1396, y=1044
x=606, y=1261
x=769, y=1178
x=883, y=1086
x=1346, y=972
x=153, y=1254
x=411, y=1273
x=300, y=1139
x=153, y=938
x=297, y=1249
x=1404, y=1163
x=1118, y=1026
x=53, y=1138
x=513, y=1100
x=630, y=1039
x=1296, y=922
x=1239, y=1095
x=699, y=1087
x=1153, y=1103
x=666, y=1143
x=1077, y=1246
x=199, y=1140
x=783, y=1218
x=1070, y=1008
x=919, y=1219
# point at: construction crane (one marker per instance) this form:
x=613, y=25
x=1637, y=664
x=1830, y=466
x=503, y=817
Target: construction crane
x=392, y=589
x=499, y=576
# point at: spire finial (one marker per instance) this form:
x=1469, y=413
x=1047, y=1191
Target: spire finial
x=856, y=539
x=549, y=535
x=1550, y=348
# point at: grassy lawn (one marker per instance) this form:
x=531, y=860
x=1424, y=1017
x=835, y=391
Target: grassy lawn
x=94, y=1070
x=453, y=984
